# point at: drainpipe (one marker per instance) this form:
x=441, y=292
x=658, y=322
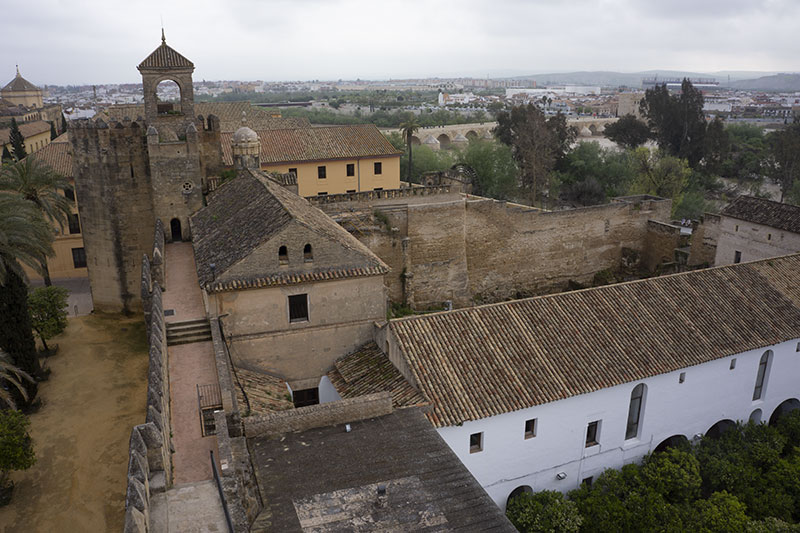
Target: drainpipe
x=358, y=173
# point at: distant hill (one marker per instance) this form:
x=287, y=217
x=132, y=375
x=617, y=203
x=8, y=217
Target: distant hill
x=778, y=82
x=633, y=79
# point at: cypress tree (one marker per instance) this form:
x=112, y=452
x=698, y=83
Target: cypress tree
x=53, y=133
x=16, y=332
x=17, y=141
x=63, y=123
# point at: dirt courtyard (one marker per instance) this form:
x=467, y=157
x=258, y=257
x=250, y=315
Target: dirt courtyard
x=95, y=395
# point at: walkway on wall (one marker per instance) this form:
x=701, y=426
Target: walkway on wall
x=190, y=365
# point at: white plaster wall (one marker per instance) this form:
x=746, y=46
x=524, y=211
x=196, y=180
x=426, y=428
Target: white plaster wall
x=711, y=392
x=753, y=240
x=327, y=392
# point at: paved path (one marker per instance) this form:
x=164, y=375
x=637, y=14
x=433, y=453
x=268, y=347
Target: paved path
x=189, y=508
x=189, y=365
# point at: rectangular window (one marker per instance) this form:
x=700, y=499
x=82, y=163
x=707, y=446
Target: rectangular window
x=304, y=397
x=530, y=428
x=737, y=256
x=74, y=224
x=322, y=193
x=588, y=481
x=351, y=191
x=321, y=172
x=476, y=443
x=682, y=377
x=378, y=189
x=733, y=363
x=293, y=171
x=298, y=308
x=762, y=373
x=78, y=257
x=591, y=433
x=378, y=168
x=769, y=236
x=351, y=169
x=70, y=194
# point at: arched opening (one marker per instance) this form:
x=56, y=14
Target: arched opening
x=593, y=129
x=175, y=230
x=755, y=416
x=762, y=376
x=444, y=141
x=308, y=255
x=523, y=489
x=283, y=255
x=635, y=411
x=716, y=431
x=168, y=98
x=415, y=141
x=472, y=135
x=784, y=408
x=675, y=441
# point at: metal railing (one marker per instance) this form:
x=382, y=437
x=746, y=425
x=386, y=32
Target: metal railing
x=221, y=493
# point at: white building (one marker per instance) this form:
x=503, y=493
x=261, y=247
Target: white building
x=546, y=392
x=455, y=98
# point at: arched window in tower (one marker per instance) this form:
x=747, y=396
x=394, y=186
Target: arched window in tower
x=308, y=255
x=283, y=255
x=635, y=411
x=168, y=98
x=761, y=376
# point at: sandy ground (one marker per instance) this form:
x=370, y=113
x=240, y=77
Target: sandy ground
x=96, y=393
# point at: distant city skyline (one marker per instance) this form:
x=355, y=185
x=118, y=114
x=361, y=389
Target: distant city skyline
x=99, y=43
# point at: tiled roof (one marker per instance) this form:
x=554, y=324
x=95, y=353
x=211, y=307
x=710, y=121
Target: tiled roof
x=317, y=144
x=765, y=212
x=165, y=57
x=19, y=84
x=245, y=213
x=265, y=393
x=27, y=129
x=484, y=361
x=367, y=371
x=57, y=155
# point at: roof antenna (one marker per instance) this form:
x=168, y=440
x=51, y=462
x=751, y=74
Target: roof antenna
x=163, y=39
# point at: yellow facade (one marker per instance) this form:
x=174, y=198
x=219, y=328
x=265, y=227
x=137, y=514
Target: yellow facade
x=34, y=143
x=336, y=180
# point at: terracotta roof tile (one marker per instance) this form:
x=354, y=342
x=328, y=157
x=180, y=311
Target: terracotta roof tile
x=165, y=57
x=368, y=370
x=317, y=144
x=484, y=361
x=19, y=84
x=765, y=212
x=265, y=393
x=57, y=155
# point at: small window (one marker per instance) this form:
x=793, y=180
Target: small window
x=591, y=433
x=798, y=347
x=378, y=168
x=70, y=194
x=308, y=255
x=476, y=443
x=283, y=256
x=761, y=376
x=298, y=308
x=769, y=236
x=737, y=256
x=682, y=377
x=349, y=191
x=737, y=227
x=322, y=193
x=293, y=171
x=733, y=363
x=321, y=172
x=74, y=224
x=78, y=257
x=351, y=169
x=588, y=481
x=530, y=428
x=378, y=189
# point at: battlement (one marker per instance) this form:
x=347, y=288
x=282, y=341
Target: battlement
x=366, y=196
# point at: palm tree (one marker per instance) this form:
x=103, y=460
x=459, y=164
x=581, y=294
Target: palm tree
x=43, y=187
x=25, y=238
x=14, y=376
x=409, y=127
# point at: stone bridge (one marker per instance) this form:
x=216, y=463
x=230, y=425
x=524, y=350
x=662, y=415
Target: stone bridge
x=455, y=135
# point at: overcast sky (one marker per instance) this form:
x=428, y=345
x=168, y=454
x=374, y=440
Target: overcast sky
x=102, y=41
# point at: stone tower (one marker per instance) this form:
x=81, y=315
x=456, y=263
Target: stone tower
x=128, y=174
x=246, y=148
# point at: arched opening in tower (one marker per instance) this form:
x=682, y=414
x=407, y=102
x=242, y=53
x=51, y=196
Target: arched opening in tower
x=168, y=98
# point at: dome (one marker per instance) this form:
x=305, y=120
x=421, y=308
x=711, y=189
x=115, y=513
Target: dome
x=245, y=135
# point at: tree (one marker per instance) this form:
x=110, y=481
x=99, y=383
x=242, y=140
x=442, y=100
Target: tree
x=17, y=141
x=63, y=123
x=495, y=170
x=674, y=473
x=14, y=376
x=544, y=512
x=537, y=143
x=720, y=513
x=48, y=311
x=16, y=448
x=718, y=146
x=409, y=127
x=677, y=120
x=784, y=149
x=38, y=184
x=590, y=174
x=6, y=157
x=660, y=175
x=628, y=132
x=53, y=133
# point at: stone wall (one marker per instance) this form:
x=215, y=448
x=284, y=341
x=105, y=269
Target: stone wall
x=150, y=452
x=158, y=265
x=704, y=241
x=660, y=243
x=313, y=416
x=237, y=475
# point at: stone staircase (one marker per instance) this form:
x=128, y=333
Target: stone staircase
x=197, y=330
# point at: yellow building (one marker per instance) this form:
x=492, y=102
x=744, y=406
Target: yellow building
x=69, y=260
x=36, y=134
x=20, y=91
x=328, y=159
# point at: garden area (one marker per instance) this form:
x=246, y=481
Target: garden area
x=746, y=479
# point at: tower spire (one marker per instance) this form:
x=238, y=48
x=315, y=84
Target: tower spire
x=163, y=39
x=17, y=70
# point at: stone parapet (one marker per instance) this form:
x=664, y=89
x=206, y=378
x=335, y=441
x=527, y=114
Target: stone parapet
x=313, y=416
x=367, y=196
x=159, y=266
x=237, y=476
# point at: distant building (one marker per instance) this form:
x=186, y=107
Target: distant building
x=36, y=135
x=628, y=104
x=674, y=84
x=753, y=228
x=22, y=100
x=21, y=92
